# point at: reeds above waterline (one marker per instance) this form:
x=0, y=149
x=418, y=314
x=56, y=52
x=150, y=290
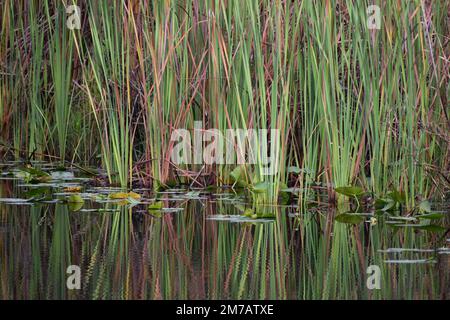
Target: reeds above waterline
x=354, y=106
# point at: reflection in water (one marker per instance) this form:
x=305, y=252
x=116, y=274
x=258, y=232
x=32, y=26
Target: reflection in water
x=125, y=253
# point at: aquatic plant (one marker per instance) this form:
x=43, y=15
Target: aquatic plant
x=354, y=106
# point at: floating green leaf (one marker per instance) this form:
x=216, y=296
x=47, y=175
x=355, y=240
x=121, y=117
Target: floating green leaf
x=425, y=206
x=261, y=187
x=267, y=215
x=34, y=172
x=431, y=216
x=75, y=198
x=75, y=206
x=156, y=206
x=22, y=175
x=15, y=200
x=248, y=212
x=134, y=195
x=130, y=197
x=73, y=189
x=349, y=218
x=401, y=218
x=38, y=193
x=62, y=175
x=351, y=191
x=431, y=228
x=156, y=213
x=118, y=195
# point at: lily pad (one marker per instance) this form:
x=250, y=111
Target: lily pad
x=156, y=206
x=15, y=201
x=349, y=218
x=62, y=175
x=38, y=193
x=266, y=215
x=351, y=191
x=126, y=197
x=385, y=204
x=248, y=212
x=401, y=218
x=34, y=172
x=22, y=175
x=71, y=189
x=118, y=195
x=134, y=195
x=413, y=261
x=238, y=219
x=156, y=213
x=431, y=216
x=431, y=228
x=75, y=206
x=75, y=198
x=402, y=250
x=425, y=206
x=261, y=187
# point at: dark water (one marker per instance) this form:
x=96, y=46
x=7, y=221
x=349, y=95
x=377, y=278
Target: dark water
x=203, y=248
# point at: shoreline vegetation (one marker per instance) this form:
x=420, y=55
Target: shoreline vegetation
x=358, y=109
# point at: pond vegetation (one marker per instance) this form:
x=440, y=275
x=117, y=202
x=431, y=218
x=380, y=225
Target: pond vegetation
x=87, y=116
x=203, y=244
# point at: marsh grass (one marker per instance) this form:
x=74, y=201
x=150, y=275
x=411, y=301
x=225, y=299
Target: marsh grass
x=354, y=106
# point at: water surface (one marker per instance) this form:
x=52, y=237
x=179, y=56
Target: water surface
x=201, y=247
